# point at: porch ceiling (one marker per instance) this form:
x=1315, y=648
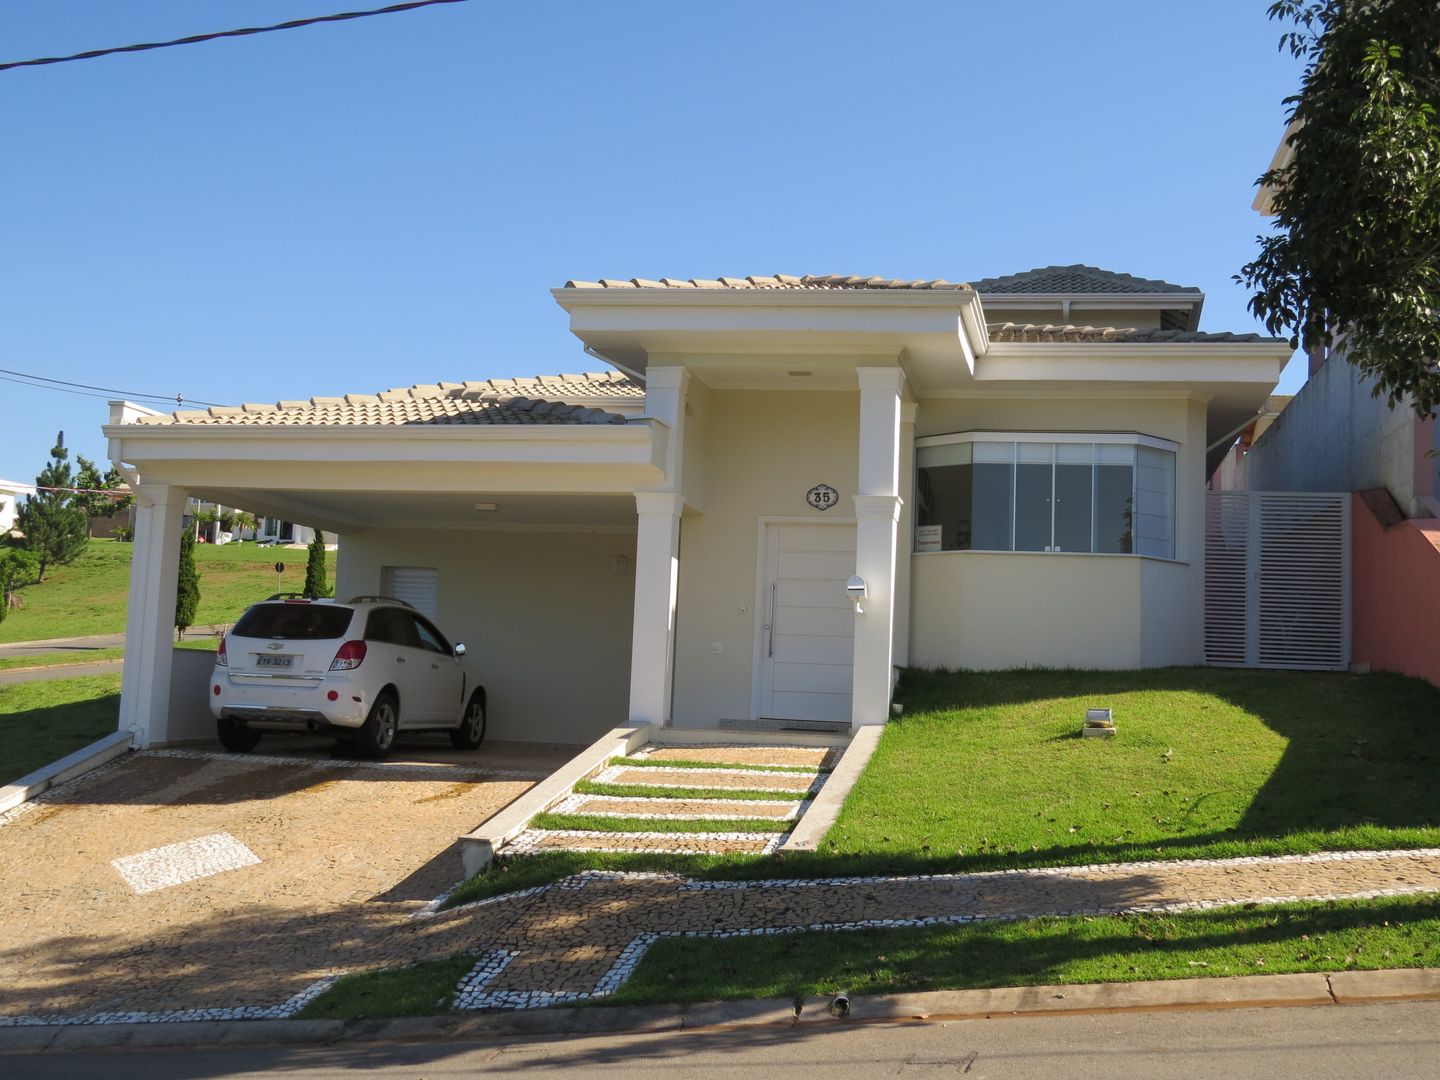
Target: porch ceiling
x=340, y=511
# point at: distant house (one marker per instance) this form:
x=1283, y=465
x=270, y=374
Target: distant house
x=11, y=492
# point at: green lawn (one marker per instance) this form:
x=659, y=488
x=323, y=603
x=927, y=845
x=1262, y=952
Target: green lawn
x=69, y=659
x=90, y=595
x=1343, y=936
x=987, y=771
x=41, y=722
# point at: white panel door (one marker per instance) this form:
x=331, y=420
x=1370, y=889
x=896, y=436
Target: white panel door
x=808, y=643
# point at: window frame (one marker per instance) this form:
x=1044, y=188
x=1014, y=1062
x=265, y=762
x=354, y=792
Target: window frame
x=1059, y=438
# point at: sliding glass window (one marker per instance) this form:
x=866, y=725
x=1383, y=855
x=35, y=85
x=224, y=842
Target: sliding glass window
x=983, y=492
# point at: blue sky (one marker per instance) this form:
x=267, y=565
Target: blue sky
x=351, y=207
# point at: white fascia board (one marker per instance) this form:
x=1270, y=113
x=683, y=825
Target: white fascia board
x=640, y=443
x=1114, y=301
x=1199, y=362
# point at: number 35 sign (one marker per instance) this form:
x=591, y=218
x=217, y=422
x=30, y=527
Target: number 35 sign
x=822, y=497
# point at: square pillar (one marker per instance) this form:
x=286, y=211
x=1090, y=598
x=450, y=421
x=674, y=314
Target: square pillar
x=150, y=619
x=877, y=512
x=657, y=576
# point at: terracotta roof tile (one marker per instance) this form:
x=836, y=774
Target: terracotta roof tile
x=548, y=399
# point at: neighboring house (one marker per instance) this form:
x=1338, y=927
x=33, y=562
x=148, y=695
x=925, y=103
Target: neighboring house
x=1004, y=474
x=11, y=492
x=1230, y=475
x=1336, y=435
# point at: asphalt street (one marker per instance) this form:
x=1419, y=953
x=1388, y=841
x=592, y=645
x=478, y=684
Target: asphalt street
x=1394, y=1040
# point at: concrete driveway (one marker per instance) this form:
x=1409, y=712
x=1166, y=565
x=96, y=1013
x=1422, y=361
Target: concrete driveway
x=184, y=878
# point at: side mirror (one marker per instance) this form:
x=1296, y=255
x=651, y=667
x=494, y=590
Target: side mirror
x=459, y=650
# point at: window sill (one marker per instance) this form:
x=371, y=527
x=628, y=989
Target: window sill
x=1059, y=554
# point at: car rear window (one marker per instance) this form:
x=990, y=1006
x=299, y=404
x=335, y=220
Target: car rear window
x=294, y=622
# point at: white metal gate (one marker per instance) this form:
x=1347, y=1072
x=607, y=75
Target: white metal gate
x=1277, y=579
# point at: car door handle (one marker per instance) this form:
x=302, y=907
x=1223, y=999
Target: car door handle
x=434, y=667
x=399, y=659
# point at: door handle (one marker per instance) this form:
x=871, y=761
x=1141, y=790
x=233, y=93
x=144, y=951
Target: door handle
x=770, y=648
x=399, y=659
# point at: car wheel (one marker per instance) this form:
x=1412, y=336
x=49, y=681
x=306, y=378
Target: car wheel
x=377, y=735
x=234, y=737
x=471, y=732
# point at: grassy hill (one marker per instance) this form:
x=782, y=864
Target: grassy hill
x=90, y=596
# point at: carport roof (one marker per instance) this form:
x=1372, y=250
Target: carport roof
x=545, y=399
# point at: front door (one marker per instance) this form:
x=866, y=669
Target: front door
x=807, y=642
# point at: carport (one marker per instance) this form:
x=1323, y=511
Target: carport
x=523, y=513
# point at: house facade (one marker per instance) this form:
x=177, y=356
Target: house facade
x=785, y=490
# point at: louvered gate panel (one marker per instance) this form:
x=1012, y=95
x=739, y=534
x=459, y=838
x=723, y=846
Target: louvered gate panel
x=1277, y=580
x=1303, y=608
x=1227, y=547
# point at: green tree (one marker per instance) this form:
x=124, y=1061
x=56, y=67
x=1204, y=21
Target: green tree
x=55, y=528
x=92, y=485
x=315, y=568
x=187, y=589
x=17, y=568
x=1356, y=246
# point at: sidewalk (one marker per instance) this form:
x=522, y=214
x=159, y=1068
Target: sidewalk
x=57, y=646
x=582, y=937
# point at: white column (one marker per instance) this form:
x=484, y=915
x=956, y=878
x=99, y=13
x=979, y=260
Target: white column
x=907, y=529
x=877, y=510
x=150, y=620
x=657, y=575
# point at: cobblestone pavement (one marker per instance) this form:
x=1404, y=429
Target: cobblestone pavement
x=178, y=879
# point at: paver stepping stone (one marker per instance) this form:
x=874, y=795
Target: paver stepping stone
x=657, y=843
x=612, y=805
x=739, y=779
x=817, y=757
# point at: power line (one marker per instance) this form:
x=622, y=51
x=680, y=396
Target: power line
x=39, y=382
x=195, y=39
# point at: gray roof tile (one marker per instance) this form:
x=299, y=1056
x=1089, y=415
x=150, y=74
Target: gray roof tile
x=1118, y=335
x=1075, y=278
x=776, y=281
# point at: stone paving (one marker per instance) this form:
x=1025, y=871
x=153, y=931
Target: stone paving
x=261, y=940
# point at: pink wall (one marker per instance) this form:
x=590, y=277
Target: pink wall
x=1396, y=588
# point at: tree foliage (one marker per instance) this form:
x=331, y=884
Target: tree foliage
x=315, y=585
x=55, y=529
x=92, y=485
x=18, y=567
x=187, y=588
x=1356, y=247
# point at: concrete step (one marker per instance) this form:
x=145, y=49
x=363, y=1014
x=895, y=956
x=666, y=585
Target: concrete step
x=814, y=757
x=535, y=840
x=735, y=779
x=623, y=806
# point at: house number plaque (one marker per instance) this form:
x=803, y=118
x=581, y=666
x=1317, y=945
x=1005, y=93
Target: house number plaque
x=822, y=496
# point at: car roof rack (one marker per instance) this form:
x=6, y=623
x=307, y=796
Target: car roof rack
x=380, y=600
x=300, y=596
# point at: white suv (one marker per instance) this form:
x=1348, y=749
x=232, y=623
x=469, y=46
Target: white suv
x=361, y=670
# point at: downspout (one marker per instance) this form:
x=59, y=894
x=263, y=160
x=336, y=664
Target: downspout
x=590, y=350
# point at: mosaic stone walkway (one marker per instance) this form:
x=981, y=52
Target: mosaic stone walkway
x=581, y=938
x=778, y=781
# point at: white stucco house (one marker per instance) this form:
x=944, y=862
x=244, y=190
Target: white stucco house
x=1015, y=468
x=11, y=492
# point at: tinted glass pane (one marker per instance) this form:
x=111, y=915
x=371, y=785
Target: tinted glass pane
x=990, y=502
x=430, y=637
x=1032, y=507
x=944, y=499
x=1072, y=507
x=1114, y=510
x=294, y=622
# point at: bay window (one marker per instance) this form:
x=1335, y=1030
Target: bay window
x=1110, y=494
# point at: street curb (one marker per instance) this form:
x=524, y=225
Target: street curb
x=98, y=753
x=824, y=809
x=1177, y=995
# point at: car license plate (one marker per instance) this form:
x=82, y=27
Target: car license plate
x=266, y=660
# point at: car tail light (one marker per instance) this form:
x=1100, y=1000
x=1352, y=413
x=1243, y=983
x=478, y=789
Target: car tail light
x=350, y=656
x=222, y=658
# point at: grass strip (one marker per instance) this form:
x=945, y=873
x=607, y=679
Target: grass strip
x=64, y=659
x=656, y=763
x=602, y=824
x=647, y=791
x=1352, y=935
x=41, y=722
x=1307, y=937
x=423, y=990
